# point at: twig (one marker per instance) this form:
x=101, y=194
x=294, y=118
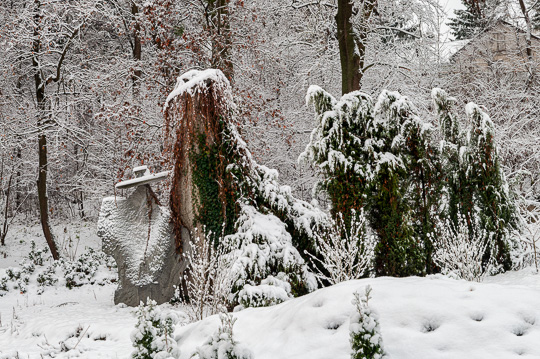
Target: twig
x=81, y=336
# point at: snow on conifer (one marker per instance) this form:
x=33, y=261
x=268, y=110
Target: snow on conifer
x=266, y=251
x=152, y=336
x=365, y=334
x=222, y=344
x=474, y=185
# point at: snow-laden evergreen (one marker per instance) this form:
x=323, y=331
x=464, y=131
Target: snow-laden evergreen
x=474, y=184
x=266, y=252
x=496, y=207
x=222, y=344
x=153, y=334
x=365, y=333
x=381, y=157
x=377, y=156
x=342, y=147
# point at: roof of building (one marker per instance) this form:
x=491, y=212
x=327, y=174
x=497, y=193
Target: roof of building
x=467, y=42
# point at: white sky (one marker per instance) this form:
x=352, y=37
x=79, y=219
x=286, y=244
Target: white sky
x=449, y=6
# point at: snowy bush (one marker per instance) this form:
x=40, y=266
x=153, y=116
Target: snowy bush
x=47, y=277
x=38, y=257
x=14, y=279
x=365, y=334
x=4, y=288
x=152, y=336
x=526, y=252
x=459, y=251
x=267, y=268
x=256, y=266
x=207, y=276
x=222, y=344
x=17, y=279
x=83, y=270
x=271, y=291
x=72, y=274
x=27, y=266
x=344, y=253
x=377, y=156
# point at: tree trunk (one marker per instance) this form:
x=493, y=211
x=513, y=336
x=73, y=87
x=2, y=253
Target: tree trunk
x=201, y=197
x=352, y=47
x=136, y=51
x=18, y=178
x=222, y=38
x=3, y=232
x=42, y=138
x=528, y=43
x=42, y=196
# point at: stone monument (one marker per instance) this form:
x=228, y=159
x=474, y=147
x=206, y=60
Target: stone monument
x=137, y=232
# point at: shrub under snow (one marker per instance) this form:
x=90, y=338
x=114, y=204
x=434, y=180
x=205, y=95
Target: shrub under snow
x=365, y=334
x=222, y=344
x=152, y=336
x=267, y=268
x=208, y=276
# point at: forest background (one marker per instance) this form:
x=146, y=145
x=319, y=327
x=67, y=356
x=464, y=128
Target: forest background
x=83, y=84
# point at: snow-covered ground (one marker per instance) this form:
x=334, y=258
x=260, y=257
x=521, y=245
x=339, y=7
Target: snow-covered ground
x=60, y=319
x=433, y=317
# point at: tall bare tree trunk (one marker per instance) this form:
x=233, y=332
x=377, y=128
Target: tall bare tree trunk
x=136, y=52
x=42, y=138
x=528, y=41
x=222, y=38
x=3, y=231
x=352, y=45
x=18, y=178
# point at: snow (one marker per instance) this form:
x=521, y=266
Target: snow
x=194, y=80
x=433, y=317
x=124, y=226
x=265, y=244
x=146, y=179
x=32, y=325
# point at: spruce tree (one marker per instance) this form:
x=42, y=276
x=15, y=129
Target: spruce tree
x=478, y=14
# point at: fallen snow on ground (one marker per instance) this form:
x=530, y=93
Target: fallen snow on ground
x=63, y=323
x=73, y=238
x=60, y=323
x=433, y=317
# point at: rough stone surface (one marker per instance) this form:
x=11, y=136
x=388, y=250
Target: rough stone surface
x=138, y=234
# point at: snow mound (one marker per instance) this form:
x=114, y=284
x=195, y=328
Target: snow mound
x=433, y=317
x=195, y=80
